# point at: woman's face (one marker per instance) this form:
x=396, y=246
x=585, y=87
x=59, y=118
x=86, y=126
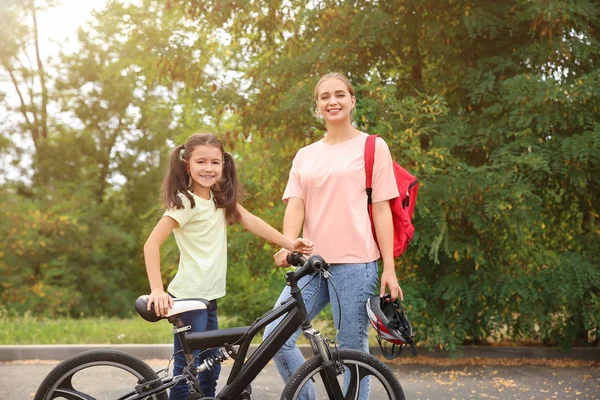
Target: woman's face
x=334, y=101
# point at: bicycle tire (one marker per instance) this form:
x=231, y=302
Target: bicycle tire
x=358, y=363
x=59, y=383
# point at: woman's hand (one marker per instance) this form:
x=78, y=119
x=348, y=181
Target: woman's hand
x=388, y=278
x=162, y=302
x=281, y=258
x=303, y=246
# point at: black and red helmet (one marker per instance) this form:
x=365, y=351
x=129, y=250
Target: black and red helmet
x=389, y=321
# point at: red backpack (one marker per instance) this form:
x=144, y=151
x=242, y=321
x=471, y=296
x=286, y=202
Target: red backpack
x=402, y=206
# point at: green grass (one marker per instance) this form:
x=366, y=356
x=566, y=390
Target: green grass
x=29, y=330
x=36, y=330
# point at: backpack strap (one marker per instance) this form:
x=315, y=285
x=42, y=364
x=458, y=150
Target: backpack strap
x=369, y=161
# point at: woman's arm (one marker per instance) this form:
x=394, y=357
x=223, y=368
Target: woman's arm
x=293, y=217
x=162, y=301
x=384, y=229
x=292, y=224
x=259, y=227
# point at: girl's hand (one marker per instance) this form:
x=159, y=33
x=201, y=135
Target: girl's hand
x=303, y=246
x=162, y=302
x=388, y=278
x=281, y=258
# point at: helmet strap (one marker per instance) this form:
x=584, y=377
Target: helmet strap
x=389, y=354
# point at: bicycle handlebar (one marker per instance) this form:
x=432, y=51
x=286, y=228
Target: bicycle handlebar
x=296, y=259
x=314, y=263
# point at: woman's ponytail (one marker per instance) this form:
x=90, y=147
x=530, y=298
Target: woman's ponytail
x=176, y=180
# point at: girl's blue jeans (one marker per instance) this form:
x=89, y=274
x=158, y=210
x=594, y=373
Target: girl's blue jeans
x=354, y=284
x=199, y=320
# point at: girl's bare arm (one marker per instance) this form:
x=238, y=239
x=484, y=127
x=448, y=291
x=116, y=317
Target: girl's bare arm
x=162, y=301
x=259, y=227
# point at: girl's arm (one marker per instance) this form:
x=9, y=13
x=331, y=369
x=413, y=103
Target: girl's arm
x=162, y=301
x=259, y=227
x=384, y=229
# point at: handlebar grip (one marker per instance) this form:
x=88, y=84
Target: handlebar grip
x=317, y=263
x=296, y=259
x=314, y=264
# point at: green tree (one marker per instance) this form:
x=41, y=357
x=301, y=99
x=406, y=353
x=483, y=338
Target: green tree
x=141, y=81
x=494, y=106
x=29, y=78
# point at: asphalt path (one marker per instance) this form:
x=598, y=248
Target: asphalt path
x=20, y=379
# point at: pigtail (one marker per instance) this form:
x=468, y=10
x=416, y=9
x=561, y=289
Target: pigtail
x=176, y=180
x=228, y=190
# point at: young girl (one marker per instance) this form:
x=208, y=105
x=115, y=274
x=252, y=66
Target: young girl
x=326, y=196
x=200, y=195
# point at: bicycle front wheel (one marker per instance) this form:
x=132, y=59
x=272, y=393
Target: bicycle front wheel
x=361, y=371
x=100, y=374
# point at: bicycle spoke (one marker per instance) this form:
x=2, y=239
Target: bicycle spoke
x=353, y=383
x=102, y=375
x=332, y=386
x=70, y=394
x=66, y=391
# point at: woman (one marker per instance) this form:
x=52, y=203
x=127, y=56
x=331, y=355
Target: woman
x=326, y=196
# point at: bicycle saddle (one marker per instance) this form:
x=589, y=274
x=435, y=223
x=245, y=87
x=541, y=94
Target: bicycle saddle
x=179, y=306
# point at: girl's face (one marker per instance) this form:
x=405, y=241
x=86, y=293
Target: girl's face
x=334, y=101
x=205, y=167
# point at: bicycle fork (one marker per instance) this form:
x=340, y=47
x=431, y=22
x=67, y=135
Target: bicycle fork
x=317, y=343
x=332, y=367
x=322, y=348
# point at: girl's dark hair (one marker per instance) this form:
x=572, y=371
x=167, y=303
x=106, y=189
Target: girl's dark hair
x=177, y=180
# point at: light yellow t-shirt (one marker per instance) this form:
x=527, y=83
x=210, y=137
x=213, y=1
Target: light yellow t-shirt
x=202, y=240
x=330, y=178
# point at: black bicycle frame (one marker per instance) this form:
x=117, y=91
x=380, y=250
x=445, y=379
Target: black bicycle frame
x=244, y=372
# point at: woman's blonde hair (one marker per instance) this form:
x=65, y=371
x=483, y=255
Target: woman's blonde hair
x=335, y=75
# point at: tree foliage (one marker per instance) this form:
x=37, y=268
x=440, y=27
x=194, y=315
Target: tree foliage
x=493, y=105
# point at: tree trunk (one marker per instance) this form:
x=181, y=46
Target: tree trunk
x=43, y=122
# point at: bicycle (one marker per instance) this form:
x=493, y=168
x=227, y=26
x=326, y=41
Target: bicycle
x=325, y=370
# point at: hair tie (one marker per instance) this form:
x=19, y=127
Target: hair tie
x=181, y=153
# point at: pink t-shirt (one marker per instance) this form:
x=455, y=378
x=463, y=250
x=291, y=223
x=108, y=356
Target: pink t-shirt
x=331, y=181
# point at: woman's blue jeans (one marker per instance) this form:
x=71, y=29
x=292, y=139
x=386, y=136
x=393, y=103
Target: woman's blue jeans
x=199, y=320
x=354, y=284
